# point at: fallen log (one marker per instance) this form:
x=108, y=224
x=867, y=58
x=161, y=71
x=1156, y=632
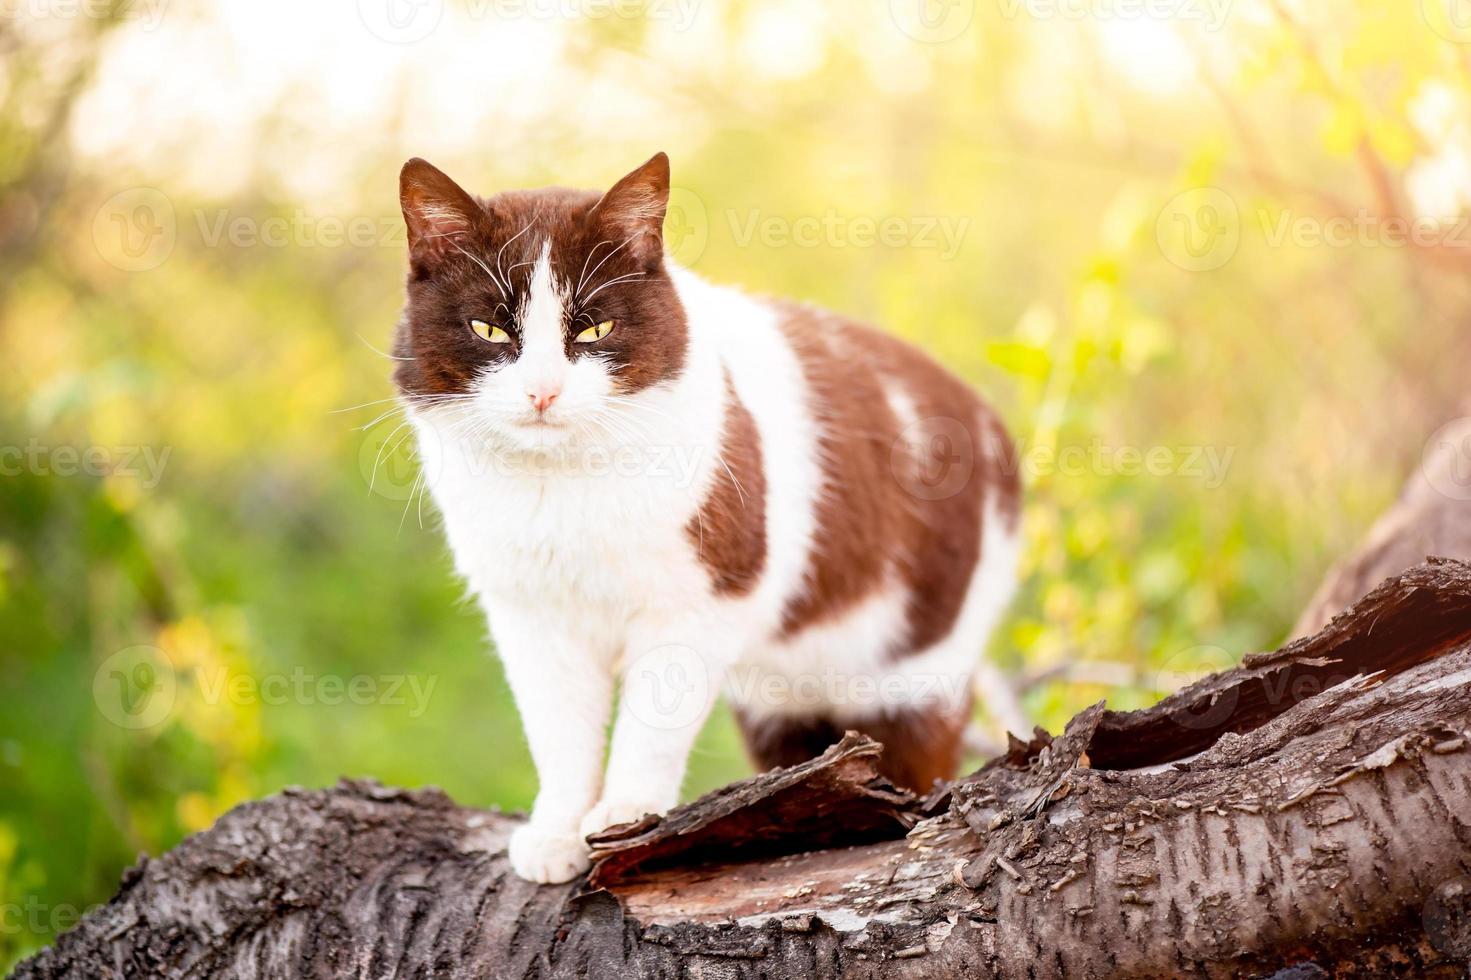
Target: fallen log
x=1306, y=812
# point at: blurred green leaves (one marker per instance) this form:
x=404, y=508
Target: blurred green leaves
x=1206, y=415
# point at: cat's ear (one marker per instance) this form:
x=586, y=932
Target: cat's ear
x=634, y=209
x=438, y=212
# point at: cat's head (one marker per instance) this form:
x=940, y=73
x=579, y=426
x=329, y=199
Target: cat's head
x=536, y=315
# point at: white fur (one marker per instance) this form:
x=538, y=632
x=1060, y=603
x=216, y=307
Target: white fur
x=586, y=572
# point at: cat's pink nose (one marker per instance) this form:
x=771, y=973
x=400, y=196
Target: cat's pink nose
x=542, y=398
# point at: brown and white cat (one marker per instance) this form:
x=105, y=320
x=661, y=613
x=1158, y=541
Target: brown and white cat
x=651, y=479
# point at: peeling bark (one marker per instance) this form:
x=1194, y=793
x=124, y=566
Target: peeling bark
x=1320, y=826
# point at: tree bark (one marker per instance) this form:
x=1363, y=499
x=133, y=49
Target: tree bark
x=1309, y=810
x=1431, y=517
x=1306, y=814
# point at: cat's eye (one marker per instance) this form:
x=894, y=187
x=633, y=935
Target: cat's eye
x=593, y=334
x=489, y=332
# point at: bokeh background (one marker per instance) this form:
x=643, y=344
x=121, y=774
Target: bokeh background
x=1208, y=257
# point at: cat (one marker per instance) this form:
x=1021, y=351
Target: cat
x=651, y=480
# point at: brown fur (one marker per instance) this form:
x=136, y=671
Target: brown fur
x=879, y=517
x=896, y=503
x=876, y=516
x=729, y=531
x=920, y=746
x=596, y=239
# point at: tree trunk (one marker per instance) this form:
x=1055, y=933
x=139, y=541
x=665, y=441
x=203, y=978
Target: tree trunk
x=1431, y=517
x=1306, y=814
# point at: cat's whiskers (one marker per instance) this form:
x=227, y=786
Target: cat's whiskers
x=603, y=426
x=401, y=399
x=389, y=446
x=577, y=294
x=632, y=276
x=625, y=402
x=418, y=479
x=633, y=426
x=582, y=276
x=498, y=284
x=529, y=224
x=354, y=408
x=437, y=401
x=380, y=353
x=396, y=410
x=378, y=458
x=613, y=435
x=656, y=417
x=719, y=456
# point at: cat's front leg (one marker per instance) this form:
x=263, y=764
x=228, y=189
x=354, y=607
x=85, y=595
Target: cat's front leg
x=563, y=688
x=672, y=674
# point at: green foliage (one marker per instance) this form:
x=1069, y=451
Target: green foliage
x=239, y=591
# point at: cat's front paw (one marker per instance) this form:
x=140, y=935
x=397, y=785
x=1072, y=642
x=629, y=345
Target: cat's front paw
x=545, y=857
x=611, y=813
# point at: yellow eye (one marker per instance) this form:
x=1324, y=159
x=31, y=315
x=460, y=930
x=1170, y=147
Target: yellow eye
x=594, y=334
x=485, y=331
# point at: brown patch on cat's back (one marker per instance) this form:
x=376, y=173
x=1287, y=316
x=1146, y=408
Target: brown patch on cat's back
x=903, y=496
x=949, y=460
x=729, y=530
x=860, y=512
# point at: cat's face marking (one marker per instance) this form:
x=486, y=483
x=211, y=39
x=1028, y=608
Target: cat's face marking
x=542, y=310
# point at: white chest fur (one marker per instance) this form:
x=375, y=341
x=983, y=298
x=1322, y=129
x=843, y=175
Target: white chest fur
x=587, y=526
